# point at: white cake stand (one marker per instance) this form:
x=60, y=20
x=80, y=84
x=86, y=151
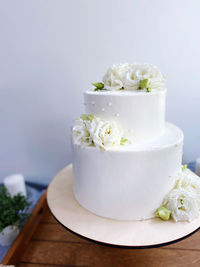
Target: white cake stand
x=129, y=234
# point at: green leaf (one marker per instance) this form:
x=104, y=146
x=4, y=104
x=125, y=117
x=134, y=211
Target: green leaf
x=122, y=88
x=84, y=117
x=184, y=167
x=143, y=84
x=99, y=86
x=148, y=90
x=91, y=117
x=88, y=117
x=123, y=141
x=12, y=209
x=163, y=213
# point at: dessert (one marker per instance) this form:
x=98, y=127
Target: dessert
x=127, y=160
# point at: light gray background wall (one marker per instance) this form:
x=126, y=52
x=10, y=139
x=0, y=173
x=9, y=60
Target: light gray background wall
x=50, y=51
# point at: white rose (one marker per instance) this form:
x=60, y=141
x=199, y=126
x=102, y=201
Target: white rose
x=190, y=182
x=105, y=134
x=114, y=78
x=80, y=133
x=140, y=72
x=182, y=204
x=91, y=130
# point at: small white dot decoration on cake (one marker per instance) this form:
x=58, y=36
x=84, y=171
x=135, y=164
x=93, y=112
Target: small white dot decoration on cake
x=103, y=109
x=15, y=184
x=197, y=167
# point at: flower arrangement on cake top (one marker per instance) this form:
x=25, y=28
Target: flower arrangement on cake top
x=131, y=77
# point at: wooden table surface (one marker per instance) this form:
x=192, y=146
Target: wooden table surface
x=52, y=245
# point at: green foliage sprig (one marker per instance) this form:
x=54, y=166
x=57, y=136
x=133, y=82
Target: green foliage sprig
x=163, y=213
x=12, y=209
x=98, y=86
x=88, y=117
x=144, y=84
x=123, y=141
x=184, y=167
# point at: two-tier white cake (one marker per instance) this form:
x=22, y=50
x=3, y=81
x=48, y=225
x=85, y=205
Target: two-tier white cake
x=126, y=158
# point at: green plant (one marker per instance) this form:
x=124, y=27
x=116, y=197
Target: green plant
x=12, y=209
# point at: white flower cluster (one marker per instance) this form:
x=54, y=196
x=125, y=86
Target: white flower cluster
x=184, y=200
x=93, y=131
x=133, y=77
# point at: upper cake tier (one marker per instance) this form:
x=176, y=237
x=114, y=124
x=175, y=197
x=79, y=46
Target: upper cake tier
x=141, y=114
x=134, y=96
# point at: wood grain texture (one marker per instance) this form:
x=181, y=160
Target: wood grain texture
x=96, y=255
x=55, y=246
x=26, y=264
x=48, y=218
x=56, y=232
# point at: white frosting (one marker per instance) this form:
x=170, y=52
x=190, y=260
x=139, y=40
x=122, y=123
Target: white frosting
x=127, y=76
x=128, y=183
x=172, y=137
x=140, y=114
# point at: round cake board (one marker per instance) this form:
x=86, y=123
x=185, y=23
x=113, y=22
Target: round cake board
x=130, y=234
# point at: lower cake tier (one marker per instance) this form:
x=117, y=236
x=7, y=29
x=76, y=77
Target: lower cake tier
x=130, y=182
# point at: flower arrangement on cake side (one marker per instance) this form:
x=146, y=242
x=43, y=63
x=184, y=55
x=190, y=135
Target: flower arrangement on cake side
x=90, y=130
x=131, y=77
x=183, y=201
